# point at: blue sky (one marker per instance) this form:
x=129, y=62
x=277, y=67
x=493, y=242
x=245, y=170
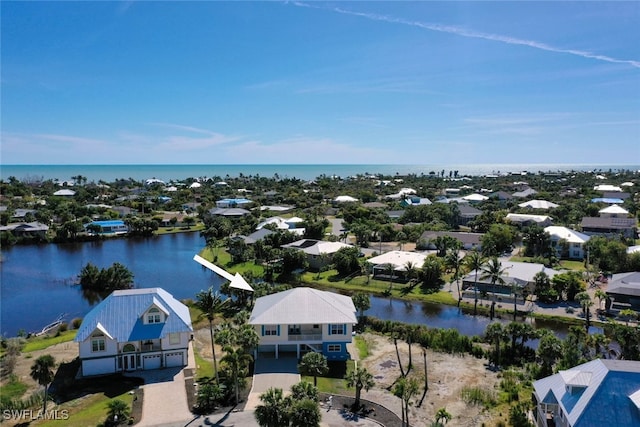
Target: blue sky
x=320, y=82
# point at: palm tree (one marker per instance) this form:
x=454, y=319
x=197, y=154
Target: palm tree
x=359, y=378
x=273, y=411
x=494, y=272
x=411, y=270
x=453, y=261
x=119, y=411
x=426, y=375
x=475, y=262
x=389, y=269
x=210, y=303
x=362, y=302
x=494, y=334
x=314, y=364
x=601, y=296
x=42, y=373
x=442, y=415
x=237, y=360
x=585, y=302
x=304, y=390
x=405, y=389
x=304, y=413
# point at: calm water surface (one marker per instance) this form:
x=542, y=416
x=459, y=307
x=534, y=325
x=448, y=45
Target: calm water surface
x=36, y=283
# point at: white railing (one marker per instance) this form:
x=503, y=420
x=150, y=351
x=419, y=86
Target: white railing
x=305, y=337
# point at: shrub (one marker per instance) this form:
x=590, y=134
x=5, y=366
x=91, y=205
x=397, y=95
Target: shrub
x=478, y=396
x=75, y=323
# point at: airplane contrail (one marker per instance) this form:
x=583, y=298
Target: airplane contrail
x=475, y=34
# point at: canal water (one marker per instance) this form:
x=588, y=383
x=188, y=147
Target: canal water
x=37, y=283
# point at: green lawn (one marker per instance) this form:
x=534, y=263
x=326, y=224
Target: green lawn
x=14, y=389
x=363, y=347
x=334, y=382
x=42, y=342
x=88, y=410
x=179, y=229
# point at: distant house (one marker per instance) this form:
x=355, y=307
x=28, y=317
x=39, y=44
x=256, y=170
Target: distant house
x=135, y=329
x=256, y=236
x=528, y=192
x=467, y=213
x=233, y=203
x=519, y=274
x=574, y=239
x=524, y=220
x=229, y=212
x=501, y=195
x=115, y=226
x=319, y=252
x=613, y=211
x=26, y=229
x=397, y=259
x=598, y=393
x=345, y=199
x=616, y=195
x=20, y=214
x=415, y=201
x=469, y=241
x=303, y=319
x=607, y=188
x=609, y=226
x=65, y=192
x=624, y=291
x=538, y=204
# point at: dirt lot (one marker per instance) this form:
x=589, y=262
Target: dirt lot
x=447, y=374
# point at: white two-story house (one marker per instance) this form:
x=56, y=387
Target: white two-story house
x=134, y=329
x=304, y=319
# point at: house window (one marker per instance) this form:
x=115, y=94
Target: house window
x=153, y=316
x=294, y=329
x=270, y=330
x=334, y=348
x=97, y=343
x=316, y=326
x=337, y=329
x=174, y=338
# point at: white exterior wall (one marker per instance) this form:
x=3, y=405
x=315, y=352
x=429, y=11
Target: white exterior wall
x=99, y=366
x=184, y=342
x=335, y=337
x=111, y=349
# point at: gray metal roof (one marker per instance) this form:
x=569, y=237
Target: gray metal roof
x=303, y=306
x=120, y=315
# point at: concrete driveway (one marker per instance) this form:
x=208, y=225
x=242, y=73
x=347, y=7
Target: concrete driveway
x=165, y=395
x=281, y=373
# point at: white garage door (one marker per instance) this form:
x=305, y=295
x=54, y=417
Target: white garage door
x=152, y=362
x=174, y=359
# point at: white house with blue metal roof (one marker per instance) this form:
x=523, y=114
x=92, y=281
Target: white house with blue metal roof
x=598, y=393
x=303, y=319
x=135, y=329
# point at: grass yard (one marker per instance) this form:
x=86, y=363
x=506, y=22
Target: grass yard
x=87, y=410
x=42, y=342
x=334, y=382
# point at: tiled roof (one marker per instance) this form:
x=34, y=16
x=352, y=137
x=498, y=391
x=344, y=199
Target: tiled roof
x=303, y=306
x=120, y=315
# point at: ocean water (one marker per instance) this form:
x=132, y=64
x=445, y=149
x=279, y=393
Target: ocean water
x=109, y=173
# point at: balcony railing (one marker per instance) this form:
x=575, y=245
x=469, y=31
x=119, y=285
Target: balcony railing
x=305, y=337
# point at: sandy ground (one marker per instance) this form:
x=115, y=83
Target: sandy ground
x=447, y=375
